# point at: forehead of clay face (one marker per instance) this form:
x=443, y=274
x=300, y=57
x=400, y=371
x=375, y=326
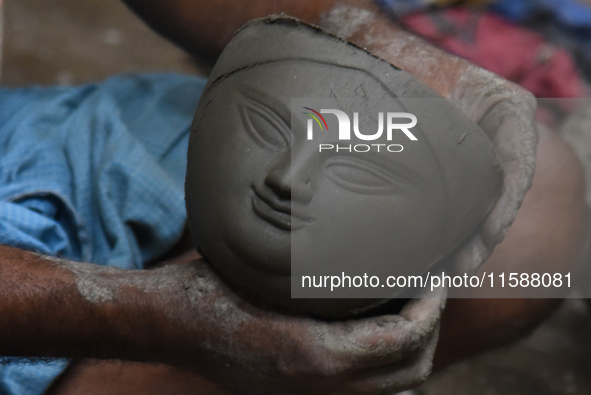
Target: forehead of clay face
x=263, y=95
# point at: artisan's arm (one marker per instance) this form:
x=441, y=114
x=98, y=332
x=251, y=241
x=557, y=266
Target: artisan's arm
x=204, y=28
x=48, y=309
x=184, y=315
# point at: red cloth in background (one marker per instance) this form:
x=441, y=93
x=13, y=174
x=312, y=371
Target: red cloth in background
x=513, y=52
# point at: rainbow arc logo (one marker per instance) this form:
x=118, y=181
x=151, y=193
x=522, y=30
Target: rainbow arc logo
x=315, y=116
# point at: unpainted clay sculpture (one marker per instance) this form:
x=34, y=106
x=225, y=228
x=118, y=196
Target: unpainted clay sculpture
x=261, y=194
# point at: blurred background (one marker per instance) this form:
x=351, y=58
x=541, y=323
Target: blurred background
x=69, y=42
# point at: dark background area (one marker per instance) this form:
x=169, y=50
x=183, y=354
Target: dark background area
x=72, y=42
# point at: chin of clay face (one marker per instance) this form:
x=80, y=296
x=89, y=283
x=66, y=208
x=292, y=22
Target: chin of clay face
x=260, y=195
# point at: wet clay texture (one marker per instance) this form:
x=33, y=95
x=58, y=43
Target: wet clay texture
x=261, y=195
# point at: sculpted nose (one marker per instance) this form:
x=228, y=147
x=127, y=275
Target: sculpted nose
x=287, y=184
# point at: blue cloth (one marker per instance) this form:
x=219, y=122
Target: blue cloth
x=400, y=8
x=565, y=23
x=93, y=173
x=569, y=13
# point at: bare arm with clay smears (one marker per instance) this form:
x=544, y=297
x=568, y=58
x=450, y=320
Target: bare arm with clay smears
x=183, y=315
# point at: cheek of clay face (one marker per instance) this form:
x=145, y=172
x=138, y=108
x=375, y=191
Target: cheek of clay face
x=263, y=200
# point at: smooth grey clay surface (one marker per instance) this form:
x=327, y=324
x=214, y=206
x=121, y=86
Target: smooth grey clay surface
x=255, y=193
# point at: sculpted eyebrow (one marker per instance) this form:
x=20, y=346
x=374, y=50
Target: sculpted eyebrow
x=272, y=103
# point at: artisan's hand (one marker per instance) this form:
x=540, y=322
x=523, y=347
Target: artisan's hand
x=503, y=110
x=256, y=351
x=506, y=113
x=182, y=314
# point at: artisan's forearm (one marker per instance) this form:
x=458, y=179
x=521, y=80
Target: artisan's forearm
x=204, y=27
x=56, y=308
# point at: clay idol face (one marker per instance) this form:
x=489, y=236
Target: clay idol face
x=265, y=192
x=264, y=195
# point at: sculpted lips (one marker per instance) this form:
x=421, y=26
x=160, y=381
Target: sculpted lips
x=277, y=212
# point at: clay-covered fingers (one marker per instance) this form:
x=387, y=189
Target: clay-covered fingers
x=506, y=112
x=252, y=350
x=399, y=376
x=428, y=305
x=512, y=128
x=472, y=254
x=357, y=345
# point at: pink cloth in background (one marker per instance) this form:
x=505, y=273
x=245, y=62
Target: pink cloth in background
x=513, y=52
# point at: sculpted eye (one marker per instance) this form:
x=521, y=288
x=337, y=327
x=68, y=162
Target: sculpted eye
x=265, y=126
x=361, y=176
